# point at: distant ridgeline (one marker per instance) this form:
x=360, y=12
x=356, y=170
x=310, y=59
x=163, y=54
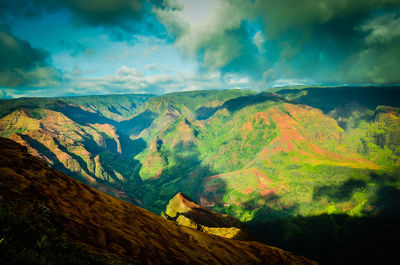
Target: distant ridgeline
x=280, y=161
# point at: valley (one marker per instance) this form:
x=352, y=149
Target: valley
x=277, y=160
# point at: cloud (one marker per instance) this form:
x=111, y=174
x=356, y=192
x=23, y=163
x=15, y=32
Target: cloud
x=217, y=42
x=93, y=12
x=381, y=30
x=259, y=40
x=127, y=80
x=76, y=71
x=307, y=39
x=379, y=59
x=290, y=14
x=128, y=15
x=239, y=81
x=129, y=72
x=236, y=43
x=76, y=48
x=22, y=65
x=152, y=67
x=4, y=95
x=291, y=82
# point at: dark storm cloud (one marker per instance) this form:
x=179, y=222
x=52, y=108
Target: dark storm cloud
x=22, y=65
x=132, y=15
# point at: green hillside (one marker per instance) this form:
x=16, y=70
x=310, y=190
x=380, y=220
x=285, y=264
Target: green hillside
x=116, y=107
x=269, y=159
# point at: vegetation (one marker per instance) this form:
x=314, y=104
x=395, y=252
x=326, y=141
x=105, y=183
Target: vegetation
x=282, y=159
x=29, y=239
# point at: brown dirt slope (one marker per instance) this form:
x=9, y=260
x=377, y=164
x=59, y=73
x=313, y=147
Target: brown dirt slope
x=105, y=223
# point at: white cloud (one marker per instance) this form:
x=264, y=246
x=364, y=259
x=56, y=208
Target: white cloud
x=381, y=29
x=239, y=81
x=76, y=71
x=151, y=67
x=208, y=35
x=259, y=40
x=126, y=71
x=129, y=80
x=196, y=12
x=291, y=82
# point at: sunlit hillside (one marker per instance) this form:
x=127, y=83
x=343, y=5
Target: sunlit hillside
x=260, y=157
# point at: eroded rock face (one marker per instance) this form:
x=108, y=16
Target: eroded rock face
x=185, y=212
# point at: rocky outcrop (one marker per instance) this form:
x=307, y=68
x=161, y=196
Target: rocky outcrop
x=185, y=212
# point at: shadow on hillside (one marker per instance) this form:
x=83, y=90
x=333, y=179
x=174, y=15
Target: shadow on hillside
x=340, y=193
x=339, y=238
x=237, y=104
x=334, y=239
x=128, y=167
x=123, y=129
x=79, y=115
x=113, y=110
x=130, y=148
x=137, y=124
x=273, y=208
x=385, y=202
x=79, y=159
x=43, y=150
x=183, y=173
x=328, y=98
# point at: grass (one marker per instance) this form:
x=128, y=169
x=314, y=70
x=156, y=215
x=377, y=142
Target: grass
x=29, y=239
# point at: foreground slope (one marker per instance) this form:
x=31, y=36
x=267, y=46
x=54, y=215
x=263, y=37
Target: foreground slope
x=103, y=223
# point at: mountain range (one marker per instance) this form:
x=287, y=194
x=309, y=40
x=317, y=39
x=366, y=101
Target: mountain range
x=280, y=161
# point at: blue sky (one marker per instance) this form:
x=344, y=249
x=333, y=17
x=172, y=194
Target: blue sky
x=65, y=47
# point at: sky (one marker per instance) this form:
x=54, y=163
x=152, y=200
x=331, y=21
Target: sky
x=96, y=47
